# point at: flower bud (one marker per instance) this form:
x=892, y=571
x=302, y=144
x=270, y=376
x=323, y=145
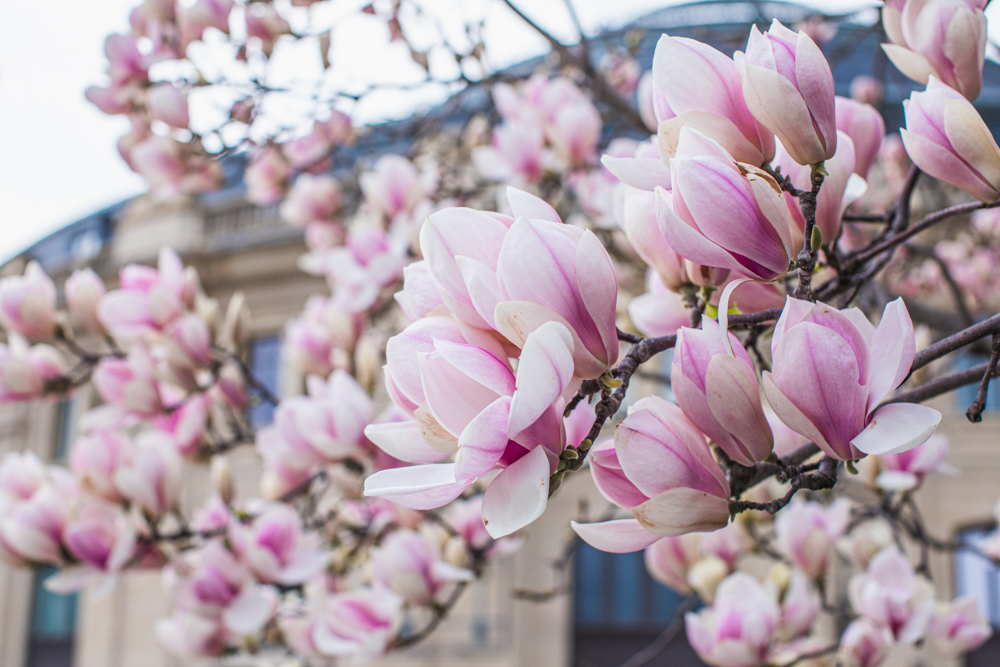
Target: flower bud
x=788, y=87
x=84, y=290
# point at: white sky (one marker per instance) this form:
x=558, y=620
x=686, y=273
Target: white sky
x=59, y=157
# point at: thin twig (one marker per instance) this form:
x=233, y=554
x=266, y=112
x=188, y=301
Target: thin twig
x=975, y=411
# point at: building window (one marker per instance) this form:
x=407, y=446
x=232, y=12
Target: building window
x=265, y=365
x=64, y=429
x=978, y=577
x=619, y=610
x=53, y=625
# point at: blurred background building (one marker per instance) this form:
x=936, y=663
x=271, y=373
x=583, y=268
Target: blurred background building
x=589, y=609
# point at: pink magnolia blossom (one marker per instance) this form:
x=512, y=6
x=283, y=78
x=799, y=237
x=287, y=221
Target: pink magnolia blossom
x=102, y=540
x=477, y=408
x=84, y=290
x=148, y=298
x=737, y=629
x=275, y=547
x=169, y=166
x=35, y=503
x=574, y=133
x=168, y=104
x=96, y=457
x=211, y=584
x=517, y=154
x=669, y=559
x=865, y=643
x=394, y=185
x=864, y=125
x=125, y=62
x=370, y=261
x=704, y=90
x=658, y=312
x=891, y=594
x=461, y=248
x=419, y=296
x=312, y=198
x=150, y=473
x=28, y=303
x=841, y=187
x=788, y=87
x=866, y=540
x=724, y=214
x=548, y=272
x=622, y=71
x=309, y=151
x=800, y=606
x=267, y=174
x=26, y=369
x=320, y=340
x=325, y=426
x=661, y=469
x=360, y=622
x=410, y=564
x=715, y=384
x=189, y=343
x=905, y=471
x=853, y=366
x=21, y=474
x=186, y=422
x=466, y=518
x=943, y=38
x=946, y=137
x=806, y=533
x=130, y=383
x=957, y=628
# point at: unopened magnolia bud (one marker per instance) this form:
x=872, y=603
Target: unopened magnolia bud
x=706, y=575
x=208, y=309
x=222, y=478
x=192, y=286
x=236, y=323
x=456, y=552
x=367, y=361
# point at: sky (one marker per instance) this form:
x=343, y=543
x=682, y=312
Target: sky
x=60, y=161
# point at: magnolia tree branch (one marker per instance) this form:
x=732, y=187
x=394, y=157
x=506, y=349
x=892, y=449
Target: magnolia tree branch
x=806, y=260
x=975, y=411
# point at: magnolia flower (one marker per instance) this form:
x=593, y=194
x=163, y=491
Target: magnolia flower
x=891, y=594
x=737, y=629
x=96, y=457
x=864, y=643
x=275, y=547
x=841, y=188
x=84, y=290
x=148, y=299
x=806, y=533
x=310, y=150
x=394, y=185
x=851, y=366
x=957, y=628
x=102, y=540
x=658, y=312
x=312, y=198
x=25, y=370
x=716, y=386
x=703, y=89
x=28, y=303
x=358, y=622
x=266, y=176
x=669, y=559
x=946, y=137
x=661, y=468
x=150, y=473
x=166, y=103
x=410, y=565
x=475, y=406
x=788, y=86
x=724, y=214
x=904, y=471
x=800, y=605
x=864, y=125
x=943, y=38
x=36, y=508
x=217, y=602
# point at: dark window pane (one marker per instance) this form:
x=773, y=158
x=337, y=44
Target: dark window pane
x=64, y=419
x=967, y=394
x=53, y=625
x=265, y=364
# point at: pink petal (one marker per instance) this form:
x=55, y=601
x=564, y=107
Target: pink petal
x=682, y=510
x=421, y=487
x=518, y=495
x=543, y=373
x=897, y=427
x=530, y=206
x=403, y=441
x=483, y=441
x=620, y=536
